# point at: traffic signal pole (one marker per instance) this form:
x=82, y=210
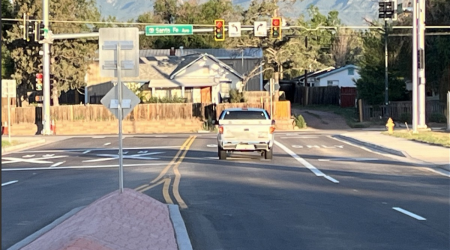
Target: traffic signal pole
x=46, y=72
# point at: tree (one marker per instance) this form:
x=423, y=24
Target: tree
x=7, y=63
x=70, y=57
x=371, y=85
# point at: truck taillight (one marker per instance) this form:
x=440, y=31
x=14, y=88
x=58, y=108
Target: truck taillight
x=220, y=129
x=271, y=129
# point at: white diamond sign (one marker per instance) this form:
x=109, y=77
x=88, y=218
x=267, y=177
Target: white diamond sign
x=129, y=100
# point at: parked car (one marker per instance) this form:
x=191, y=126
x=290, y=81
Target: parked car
x=245, y=129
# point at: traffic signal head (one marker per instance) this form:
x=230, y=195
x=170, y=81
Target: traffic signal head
x=29, y=29
x=40, y=31
x=276, y=28
x=219, y=30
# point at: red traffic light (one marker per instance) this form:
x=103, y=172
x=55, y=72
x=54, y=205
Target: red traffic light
x=276, y=21
x=219, y=24
x=219, y=30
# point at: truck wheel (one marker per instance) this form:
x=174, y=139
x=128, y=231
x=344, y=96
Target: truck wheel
x=268, y=154
x=222, y=154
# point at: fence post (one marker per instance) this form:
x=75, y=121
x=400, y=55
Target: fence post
x=360, y=110
x=448, y=111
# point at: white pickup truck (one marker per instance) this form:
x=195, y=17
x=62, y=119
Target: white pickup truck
x=245, y=129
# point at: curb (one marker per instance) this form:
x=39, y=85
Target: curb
x=44, y=230
x=373, y=146
x=23, y=146
x=181, y=235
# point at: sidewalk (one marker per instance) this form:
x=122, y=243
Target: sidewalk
x=420, y=153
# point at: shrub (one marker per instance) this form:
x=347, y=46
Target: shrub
x=208, y=125
x=437, y=117
x=299, y=121
x=236, y=96
x=174, y=99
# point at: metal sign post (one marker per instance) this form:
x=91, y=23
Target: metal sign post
x=126, y=57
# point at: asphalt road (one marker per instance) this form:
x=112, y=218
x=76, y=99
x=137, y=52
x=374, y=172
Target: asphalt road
x=317, y=192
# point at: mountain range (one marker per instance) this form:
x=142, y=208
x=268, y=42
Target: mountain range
x=351, y=12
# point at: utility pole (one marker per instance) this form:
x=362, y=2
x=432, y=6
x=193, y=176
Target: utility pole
x=415, y=78
x=46, y=70
x=421, y=76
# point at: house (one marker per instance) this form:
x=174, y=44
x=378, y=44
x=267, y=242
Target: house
x=342, y=77
x=196, y=75
x=243, y=60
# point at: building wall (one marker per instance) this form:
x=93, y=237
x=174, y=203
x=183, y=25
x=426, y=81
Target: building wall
x=345, y=80
x=243, y=67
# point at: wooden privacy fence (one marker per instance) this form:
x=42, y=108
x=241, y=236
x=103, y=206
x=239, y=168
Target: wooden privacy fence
x=281, y=109
x=328, y=95
x=142, y=112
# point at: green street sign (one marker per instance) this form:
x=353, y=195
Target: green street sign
x=164, y=30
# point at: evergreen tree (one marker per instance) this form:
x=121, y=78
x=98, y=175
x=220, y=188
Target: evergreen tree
x=7, y=63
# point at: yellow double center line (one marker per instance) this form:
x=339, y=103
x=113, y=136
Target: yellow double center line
x=175, y=163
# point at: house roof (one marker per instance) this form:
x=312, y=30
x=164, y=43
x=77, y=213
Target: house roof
x=192, y=59
x=332, y=72
x=160, y=71
x=218, y=53
x=314, y=74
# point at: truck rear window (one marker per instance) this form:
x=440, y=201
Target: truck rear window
x=244, y=115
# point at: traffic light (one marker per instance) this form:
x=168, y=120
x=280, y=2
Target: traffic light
x=386, y=10
x=40, y=31
x=219, y=30
x=39, y=78
x=30, y=30
x=276, y=28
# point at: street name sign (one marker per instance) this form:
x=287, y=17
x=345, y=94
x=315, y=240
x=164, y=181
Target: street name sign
x=165, y=30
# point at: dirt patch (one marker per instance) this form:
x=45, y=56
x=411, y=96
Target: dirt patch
x=321, y=119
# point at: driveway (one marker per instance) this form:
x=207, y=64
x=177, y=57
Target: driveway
x=321, y=119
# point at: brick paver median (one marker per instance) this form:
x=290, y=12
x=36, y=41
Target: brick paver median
x=119, y=221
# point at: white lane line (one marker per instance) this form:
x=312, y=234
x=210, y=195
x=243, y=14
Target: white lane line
x=57, y=164
x=106, y=144
x=97, y=149
x=87, y=151
x=298, y=137
x=313, y=169
x=350, y=159
x=82, y=167
x=212, y=145
x=9, y=182
x=415, y=216
x=331, y=179
x=98, y=137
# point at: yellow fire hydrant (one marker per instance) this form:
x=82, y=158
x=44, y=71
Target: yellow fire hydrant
x=390, y=125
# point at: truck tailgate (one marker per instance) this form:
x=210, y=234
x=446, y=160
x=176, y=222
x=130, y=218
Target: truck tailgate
x=246, y=130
